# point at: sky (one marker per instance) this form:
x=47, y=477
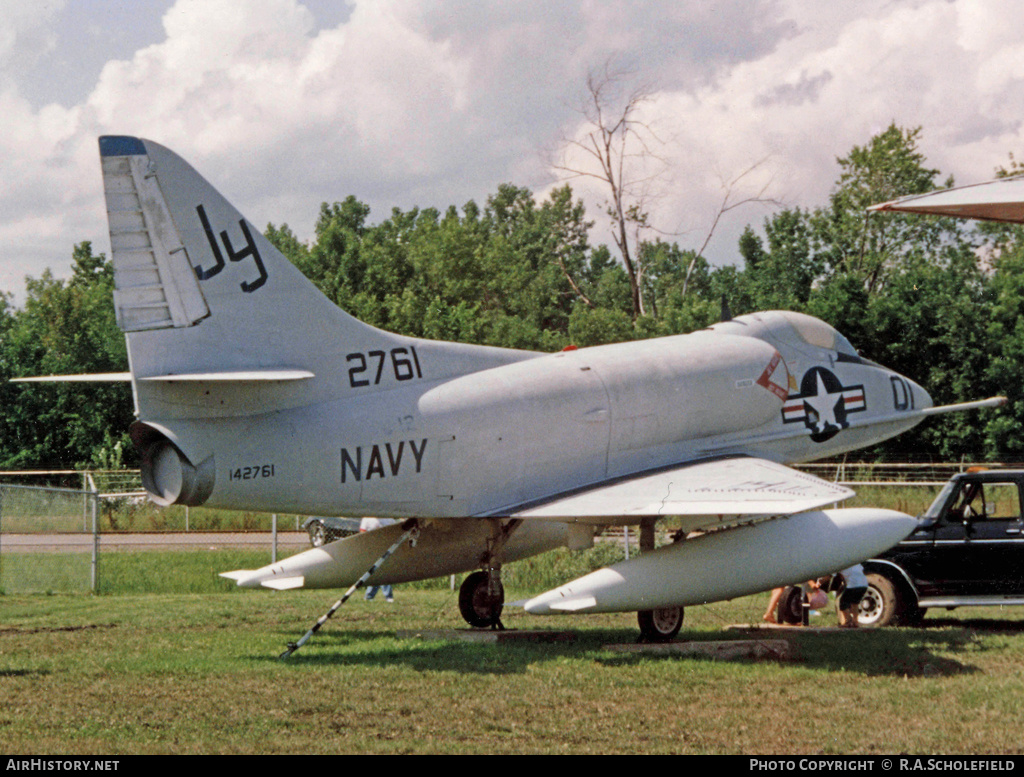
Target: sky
x=285, y=104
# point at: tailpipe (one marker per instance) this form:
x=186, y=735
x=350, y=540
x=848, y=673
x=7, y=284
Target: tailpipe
x=168, y=475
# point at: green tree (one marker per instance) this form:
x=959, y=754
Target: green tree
x=908, y=291
x=870, y=246
x=65, y=327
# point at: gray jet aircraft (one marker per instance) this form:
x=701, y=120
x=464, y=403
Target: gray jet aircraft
x=255, y=392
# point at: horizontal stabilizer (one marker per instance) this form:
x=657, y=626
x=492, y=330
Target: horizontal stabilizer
x=235, y=376
x=99, y=377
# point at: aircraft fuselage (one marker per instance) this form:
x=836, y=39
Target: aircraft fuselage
x=396, y=442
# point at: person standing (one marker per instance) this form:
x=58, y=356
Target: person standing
x=369, y=524
x=856, y=583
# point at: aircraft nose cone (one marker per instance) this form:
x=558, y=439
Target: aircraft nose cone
x=908, y=395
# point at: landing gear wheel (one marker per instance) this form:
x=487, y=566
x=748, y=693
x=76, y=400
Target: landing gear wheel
x=791, y=606
x=883, y=605
x=660, y=625
x=479, y=608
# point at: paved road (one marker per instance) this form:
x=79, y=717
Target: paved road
x=70, y=542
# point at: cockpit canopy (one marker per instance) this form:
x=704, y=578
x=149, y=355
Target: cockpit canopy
x=785, y=326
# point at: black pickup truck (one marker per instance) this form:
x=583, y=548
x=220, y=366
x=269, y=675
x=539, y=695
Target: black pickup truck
x=968, y=551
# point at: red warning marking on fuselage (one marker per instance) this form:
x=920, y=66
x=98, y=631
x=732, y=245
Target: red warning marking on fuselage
x=766, y=378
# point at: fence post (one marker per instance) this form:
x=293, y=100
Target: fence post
x=95, y=571
x=92, y=497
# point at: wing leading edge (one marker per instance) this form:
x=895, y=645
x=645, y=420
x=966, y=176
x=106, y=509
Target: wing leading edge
x=706, y=494
x=999, y=200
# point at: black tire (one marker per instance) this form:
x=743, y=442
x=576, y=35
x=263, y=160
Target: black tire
x=478, y=608
x=791, y=606
x=317, y=534
x=660, y=625
x=884, y=604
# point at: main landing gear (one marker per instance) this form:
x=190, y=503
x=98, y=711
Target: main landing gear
x=482, y=596
x=663, y=624
x=660, y=625
x=481, y=599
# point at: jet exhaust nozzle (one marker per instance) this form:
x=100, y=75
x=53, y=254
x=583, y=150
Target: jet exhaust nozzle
x=168, y=475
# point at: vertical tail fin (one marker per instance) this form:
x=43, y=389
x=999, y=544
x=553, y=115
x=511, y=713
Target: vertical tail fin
x=204, y=298
x=222, y=328
x=208, y=303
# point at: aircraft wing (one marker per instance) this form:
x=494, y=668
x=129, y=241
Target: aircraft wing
x=706, y=494
x=999, y=200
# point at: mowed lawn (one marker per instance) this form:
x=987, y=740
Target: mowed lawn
x=199, y=673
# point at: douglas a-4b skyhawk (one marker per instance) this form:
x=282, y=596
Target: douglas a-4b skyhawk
x=255, y=392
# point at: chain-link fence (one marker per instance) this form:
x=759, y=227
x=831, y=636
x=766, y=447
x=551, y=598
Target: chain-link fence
x=53, y=525
x=862, y=473
x=48, y=539
x=54, y=532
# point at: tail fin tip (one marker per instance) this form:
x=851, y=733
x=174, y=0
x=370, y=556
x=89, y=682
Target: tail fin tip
x=121, y=145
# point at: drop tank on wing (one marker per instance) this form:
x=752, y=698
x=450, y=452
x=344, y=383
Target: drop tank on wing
x=728, y=564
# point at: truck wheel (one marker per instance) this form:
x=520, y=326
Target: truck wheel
x=882, y=604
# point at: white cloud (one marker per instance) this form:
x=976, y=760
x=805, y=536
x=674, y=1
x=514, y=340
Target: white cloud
x=827, y=88
x=434, y=103
x=25, y=32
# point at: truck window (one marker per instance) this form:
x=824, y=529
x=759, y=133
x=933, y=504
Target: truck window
x=986, y=501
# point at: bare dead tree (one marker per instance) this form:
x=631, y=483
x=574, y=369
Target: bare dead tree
x=730, y=201
x=619, y=150
x=622, y=151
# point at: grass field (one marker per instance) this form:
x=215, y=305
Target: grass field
x=126, y=673
x=169, y=658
